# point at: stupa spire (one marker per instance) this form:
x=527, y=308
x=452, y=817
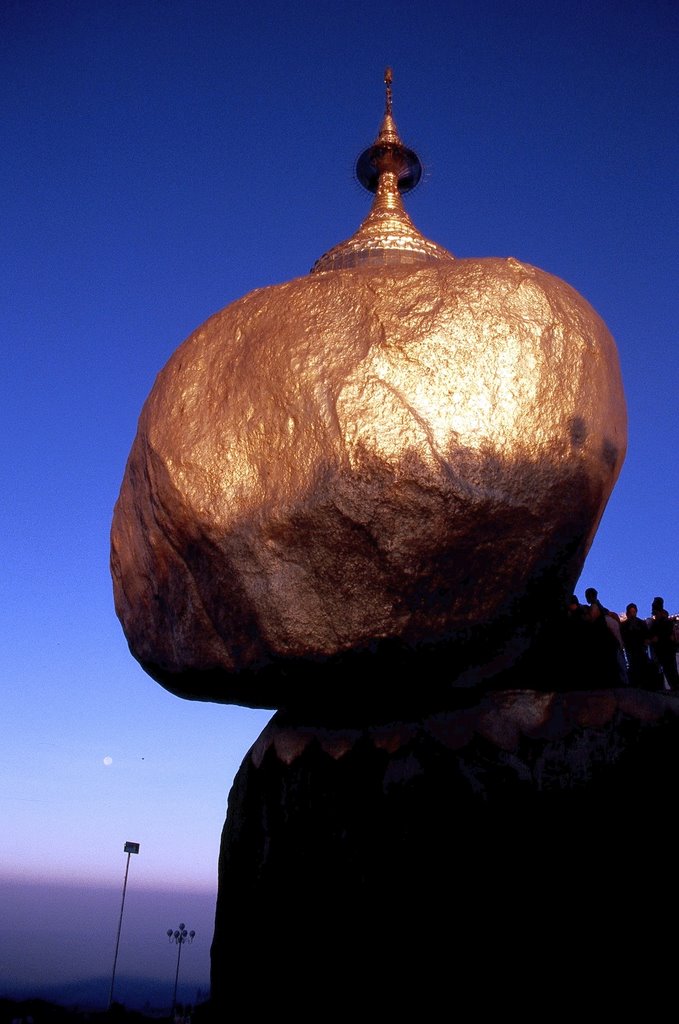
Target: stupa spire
x=388, y=131
x=387, y=235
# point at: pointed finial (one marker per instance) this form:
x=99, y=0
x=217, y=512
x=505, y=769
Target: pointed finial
x=388, y=153
x=387, y=235
x=388, y=79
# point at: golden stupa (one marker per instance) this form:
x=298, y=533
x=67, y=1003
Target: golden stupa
x=396, y=462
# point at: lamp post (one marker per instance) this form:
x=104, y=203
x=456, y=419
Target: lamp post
x=129, y=849
x=180, y=936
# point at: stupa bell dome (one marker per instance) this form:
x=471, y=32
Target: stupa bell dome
x=368, y=484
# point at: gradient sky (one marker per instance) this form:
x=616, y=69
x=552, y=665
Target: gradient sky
x=159, y=160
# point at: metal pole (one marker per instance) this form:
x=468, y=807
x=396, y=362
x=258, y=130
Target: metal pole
x=180, y=936
x=176, y=977
x=120, y=924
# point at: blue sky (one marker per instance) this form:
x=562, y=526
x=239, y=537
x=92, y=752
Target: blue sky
x=159, y=160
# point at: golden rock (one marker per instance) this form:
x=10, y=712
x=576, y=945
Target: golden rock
x=401, y=451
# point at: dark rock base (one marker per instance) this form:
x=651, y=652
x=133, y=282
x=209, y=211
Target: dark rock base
x=517, y=855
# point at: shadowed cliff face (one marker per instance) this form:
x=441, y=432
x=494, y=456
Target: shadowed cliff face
x=407, y=462
x=477, y=854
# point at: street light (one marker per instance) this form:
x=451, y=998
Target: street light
x=129, y=849
x=180, y=936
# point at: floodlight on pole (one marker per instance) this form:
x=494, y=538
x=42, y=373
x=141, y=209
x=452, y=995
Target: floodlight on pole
x=180, y=936
x=129, y=849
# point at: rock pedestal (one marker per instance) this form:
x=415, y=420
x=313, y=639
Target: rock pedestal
x=484, y=854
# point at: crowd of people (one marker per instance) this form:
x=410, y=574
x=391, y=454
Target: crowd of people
x=605, y=649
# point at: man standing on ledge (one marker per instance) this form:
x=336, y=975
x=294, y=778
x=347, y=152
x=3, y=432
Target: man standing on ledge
x=662, y=642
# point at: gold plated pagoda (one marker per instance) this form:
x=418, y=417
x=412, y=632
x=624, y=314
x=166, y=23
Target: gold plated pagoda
x=387, y=235
x=402, y=463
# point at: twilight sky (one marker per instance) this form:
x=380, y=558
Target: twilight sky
x=160, y=159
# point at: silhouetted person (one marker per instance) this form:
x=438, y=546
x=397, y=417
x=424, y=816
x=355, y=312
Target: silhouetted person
x=592, y=597
x=601, y=649
x=572, y=669
x=662, y=643
x=635, y=635
x=612, y=622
